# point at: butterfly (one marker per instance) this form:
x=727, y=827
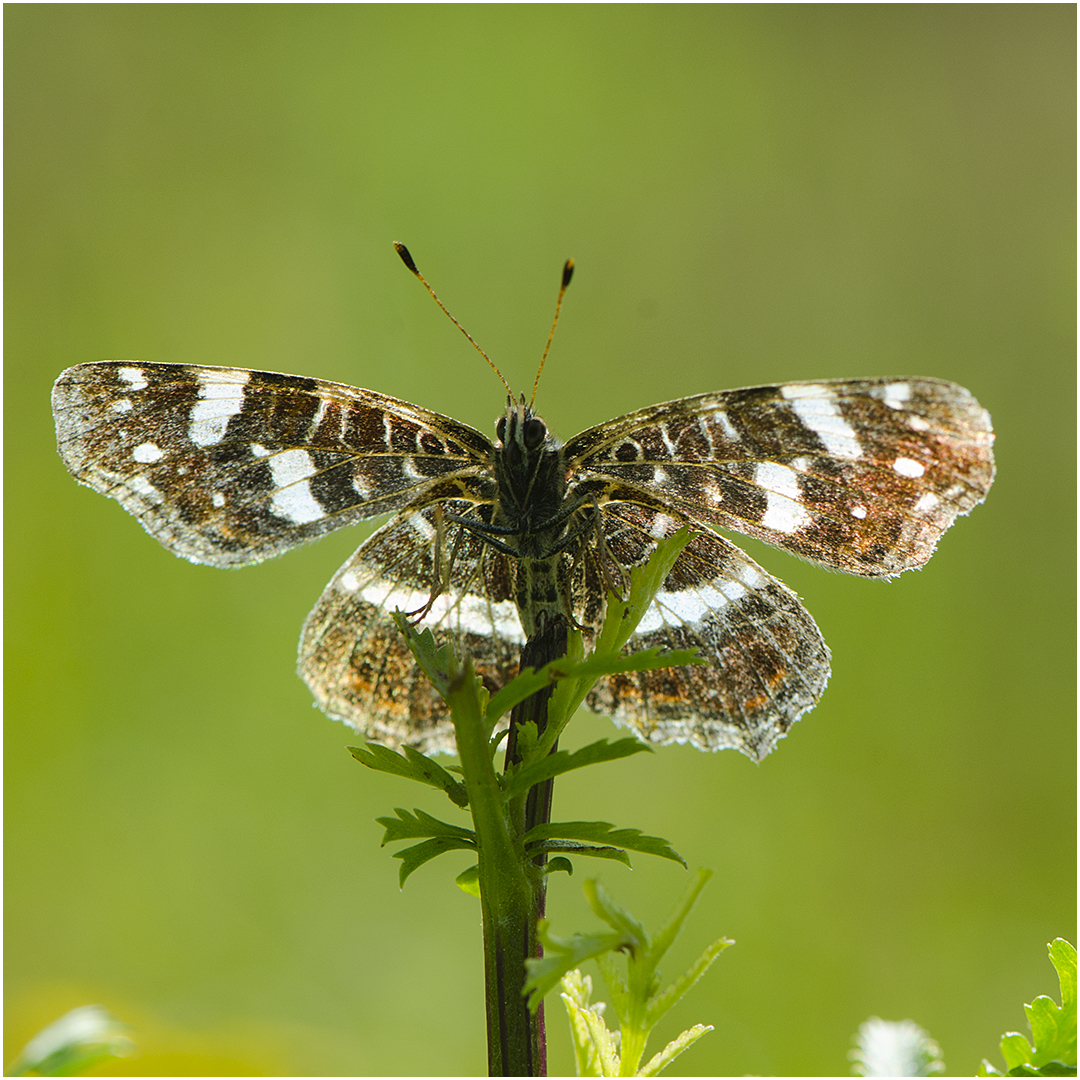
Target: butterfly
x=490, y=539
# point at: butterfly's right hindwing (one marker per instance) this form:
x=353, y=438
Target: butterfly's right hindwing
x=766, y=662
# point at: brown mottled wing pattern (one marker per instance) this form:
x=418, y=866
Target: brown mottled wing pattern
x=228, y=467
x=766, y=661
x=859, y=475
x=354, y=658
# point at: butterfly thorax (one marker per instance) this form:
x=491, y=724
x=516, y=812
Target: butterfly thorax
x=531, y=516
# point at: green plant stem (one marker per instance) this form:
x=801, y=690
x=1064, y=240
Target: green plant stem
x=507, y=893
x=535, y=807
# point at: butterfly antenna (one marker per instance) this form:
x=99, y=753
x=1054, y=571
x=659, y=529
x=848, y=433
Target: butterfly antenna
x=567, y=274
x=407, y=259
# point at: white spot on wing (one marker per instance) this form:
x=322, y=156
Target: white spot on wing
x=466, y=613
x=896, y=394
x=858, y=512
x=258, y=450
x=917, y=423
x=752, y=577
x=926, y=502
x=726, y=425
x=291, y=466
x=689, y=606
x=732, y=590
x=813, y=404
x=147, y=453
x=145, y=488
x=220, y=397
x=783, y=511
x=659, y=475
x=122, y=405
x=661, y=526
x=422, y=526
x=906, y=467
x=134, y=377
x=293, y=500
x=218, y=499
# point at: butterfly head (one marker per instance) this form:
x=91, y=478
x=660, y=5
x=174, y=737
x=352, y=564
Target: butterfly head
x=521, y=433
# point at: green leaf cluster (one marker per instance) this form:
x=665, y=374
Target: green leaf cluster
x=477, y=718
x=637, y=998
x=1053, y=1027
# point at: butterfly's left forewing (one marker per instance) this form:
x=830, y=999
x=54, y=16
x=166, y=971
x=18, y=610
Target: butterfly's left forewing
x=226, y=466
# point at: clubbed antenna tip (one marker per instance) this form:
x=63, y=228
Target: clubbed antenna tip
x=407, y=259
x=567, y=274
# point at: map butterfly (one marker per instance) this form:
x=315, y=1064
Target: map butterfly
x=490, y=539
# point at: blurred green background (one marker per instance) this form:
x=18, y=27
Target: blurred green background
x=752, y=194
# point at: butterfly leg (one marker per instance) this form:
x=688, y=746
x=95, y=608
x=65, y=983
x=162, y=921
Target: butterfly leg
x=440, y=570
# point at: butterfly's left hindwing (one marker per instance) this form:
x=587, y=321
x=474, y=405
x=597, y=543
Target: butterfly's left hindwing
x=227, y=467
x=355, y=660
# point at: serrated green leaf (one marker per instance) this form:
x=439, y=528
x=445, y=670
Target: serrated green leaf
x=595, y=667
x=438, y=663
x=1043, y=1016
x=605, y=834
x=616, y=916
x=665, y=936
x=645, y=582
x=431, y=772
x=595, y=1049
x=415, y=857
x=674, y=1049
x=413, y=766
x=1063, y=957
x=564, y=761
x=1053, y=1026
x=520, y=687
x=575, y=848
x=1015, y=1049
x=409, y=826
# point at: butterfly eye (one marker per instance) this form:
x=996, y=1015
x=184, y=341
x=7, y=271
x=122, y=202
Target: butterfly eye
x=500, y=430
x=534, y=433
